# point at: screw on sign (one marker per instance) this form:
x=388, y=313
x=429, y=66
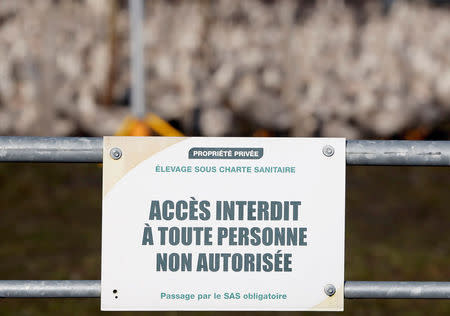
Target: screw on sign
x=115, y=153
x=330, y=289
x=328, y=150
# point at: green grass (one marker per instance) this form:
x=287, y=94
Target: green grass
x=397, y=228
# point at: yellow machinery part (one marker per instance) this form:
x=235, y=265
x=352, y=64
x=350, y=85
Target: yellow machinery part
x=160, y=126
x=132, y=126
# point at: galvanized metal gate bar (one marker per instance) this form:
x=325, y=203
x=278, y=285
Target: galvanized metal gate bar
x=398, y=153
x=358, y=152
x=352, y=289
x=49, y=288
x=396, y=289
x=50, y=149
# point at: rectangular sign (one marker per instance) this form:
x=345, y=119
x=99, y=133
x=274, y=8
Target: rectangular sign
x=192, y=223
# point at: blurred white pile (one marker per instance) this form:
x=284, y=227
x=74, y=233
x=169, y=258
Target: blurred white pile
x=328, y=69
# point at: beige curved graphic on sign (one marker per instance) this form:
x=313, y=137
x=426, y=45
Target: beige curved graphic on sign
x=334, y=302
x=134, y=151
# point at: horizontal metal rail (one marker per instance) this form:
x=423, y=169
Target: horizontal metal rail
x=49, y=288
x=395, y=289
x=358, y=152
x=352, y=289
x=50, y=149
x=398, y=153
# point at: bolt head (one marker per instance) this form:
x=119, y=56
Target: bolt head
x=115, y=153
x=328, y=150
x=330, y=289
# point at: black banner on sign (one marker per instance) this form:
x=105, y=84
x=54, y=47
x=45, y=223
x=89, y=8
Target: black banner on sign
x=225, y=153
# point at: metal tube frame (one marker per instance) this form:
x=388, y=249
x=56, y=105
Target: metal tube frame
x=352, y=289
x=358, y=152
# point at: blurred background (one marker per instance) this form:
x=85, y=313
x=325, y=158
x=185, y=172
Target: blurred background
x=358, y=69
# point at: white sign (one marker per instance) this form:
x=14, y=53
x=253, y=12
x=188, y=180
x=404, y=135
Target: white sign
x=223, y=223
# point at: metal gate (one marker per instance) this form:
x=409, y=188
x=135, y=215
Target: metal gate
x=358, y=152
